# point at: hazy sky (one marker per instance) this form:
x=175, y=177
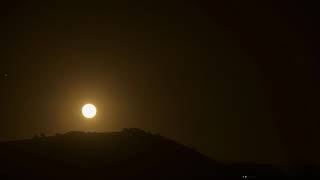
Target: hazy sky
x=237, y=81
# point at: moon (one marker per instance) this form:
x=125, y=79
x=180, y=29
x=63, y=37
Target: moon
x=89, y=111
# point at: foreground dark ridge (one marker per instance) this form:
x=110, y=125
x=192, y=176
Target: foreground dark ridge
x=131, y=153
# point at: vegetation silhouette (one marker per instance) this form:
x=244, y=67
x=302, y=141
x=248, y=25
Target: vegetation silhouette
x=129, y=154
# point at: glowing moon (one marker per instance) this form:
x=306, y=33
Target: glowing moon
x=89, y=111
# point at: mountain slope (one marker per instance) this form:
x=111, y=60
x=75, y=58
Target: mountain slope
x=127, y=154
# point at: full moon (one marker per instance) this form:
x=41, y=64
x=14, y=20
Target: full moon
x=89, y=111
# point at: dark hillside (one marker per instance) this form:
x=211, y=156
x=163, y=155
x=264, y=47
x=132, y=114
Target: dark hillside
x=130, y=153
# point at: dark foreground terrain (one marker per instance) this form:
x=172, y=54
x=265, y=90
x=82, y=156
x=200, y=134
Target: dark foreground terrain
x=129, y=154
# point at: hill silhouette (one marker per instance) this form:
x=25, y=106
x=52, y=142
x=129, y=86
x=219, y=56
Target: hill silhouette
x=129, y=154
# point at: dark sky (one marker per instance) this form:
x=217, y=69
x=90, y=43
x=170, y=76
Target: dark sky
x=237, y=80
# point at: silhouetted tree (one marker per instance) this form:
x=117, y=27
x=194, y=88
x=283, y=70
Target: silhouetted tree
x=42, y=135
x=35, y=136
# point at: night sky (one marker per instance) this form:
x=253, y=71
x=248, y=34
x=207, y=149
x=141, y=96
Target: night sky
x=236, y=80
